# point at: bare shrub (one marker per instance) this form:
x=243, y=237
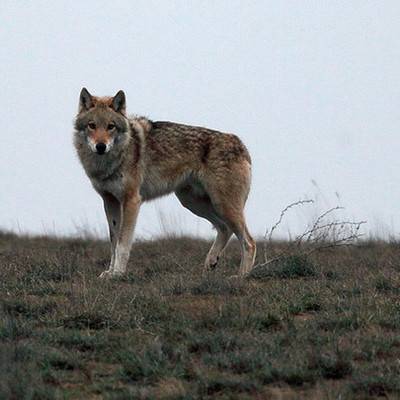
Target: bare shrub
x=327, y=230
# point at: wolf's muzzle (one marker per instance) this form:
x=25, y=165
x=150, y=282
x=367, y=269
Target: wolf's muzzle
x=100, y=148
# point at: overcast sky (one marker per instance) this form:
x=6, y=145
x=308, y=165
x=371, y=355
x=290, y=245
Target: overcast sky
x=312, y=88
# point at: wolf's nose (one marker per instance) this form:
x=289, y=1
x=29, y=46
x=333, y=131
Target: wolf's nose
x=101, y=148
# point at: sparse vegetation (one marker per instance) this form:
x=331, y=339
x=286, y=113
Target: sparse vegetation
x=311, y=326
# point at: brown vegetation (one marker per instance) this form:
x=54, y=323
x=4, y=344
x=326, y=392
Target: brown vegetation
x=312, y=326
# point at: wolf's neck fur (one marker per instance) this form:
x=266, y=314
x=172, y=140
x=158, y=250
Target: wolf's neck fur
x=109, y=165
x=105, y=166
x=102, y=167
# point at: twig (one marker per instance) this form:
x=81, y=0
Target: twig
x=268, y=237
x=320, y=218
x=284, y=211
x=327, y=228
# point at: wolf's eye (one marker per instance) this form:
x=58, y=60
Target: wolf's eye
x=110, y=126
x=92, y=125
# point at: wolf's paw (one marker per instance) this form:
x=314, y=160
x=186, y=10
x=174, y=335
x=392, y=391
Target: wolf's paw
x=238, y=277
x=210, y=264
x=109, y=274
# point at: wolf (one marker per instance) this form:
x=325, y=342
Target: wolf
x=130, y=160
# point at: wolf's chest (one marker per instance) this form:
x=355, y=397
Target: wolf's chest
x=114, y=186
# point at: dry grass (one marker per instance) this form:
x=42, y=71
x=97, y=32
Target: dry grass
x=325, y=325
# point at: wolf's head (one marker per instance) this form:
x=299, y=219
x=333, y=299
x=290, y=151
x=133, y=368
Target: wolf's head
x=101, y=123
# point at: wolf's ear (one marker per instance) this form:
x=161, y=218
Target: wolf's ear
x=85, y=100
x=119, y=102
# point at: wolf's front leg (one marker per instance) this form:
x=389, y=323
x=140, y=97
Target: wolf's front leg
x=113, y=209
x=130, y=210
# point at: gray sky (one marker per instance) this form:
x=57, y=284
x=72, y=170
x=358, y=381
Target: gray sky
x=312, y=88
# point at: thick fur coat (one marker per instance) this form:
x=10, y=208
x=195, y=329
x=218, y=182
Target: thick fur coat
x=132, y=159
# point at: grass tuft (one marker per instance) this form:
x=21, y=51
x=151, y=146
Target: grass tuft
x=286, y=267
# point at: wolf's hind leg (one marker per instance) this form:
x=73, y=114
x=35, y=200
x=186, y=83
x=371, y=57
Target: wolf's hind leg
x=234, y=218
x=202, y=207
x=220, y=242
x=228, y=195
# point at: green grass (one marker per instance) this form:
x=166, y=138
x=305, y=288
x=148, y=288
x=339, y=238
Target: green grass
x=322, y=326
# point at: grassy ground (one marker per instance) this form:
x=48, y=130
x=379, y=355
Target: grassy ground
x=323, y=327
